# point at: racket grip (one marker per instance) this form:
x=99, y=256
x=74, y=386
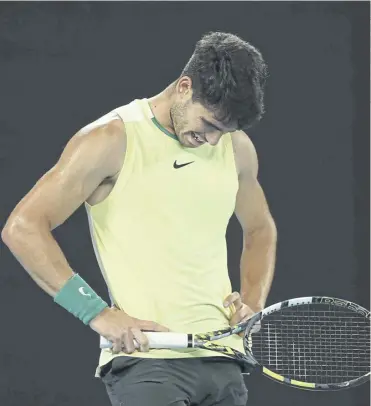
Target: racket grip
x=159, y=340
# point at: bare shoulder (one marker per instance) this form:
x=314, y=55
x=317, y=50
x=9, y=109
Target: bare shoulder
x=105, y=140
x=245, y=153
x=91, y=157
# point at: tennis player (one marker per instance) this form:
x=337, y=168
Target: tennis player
x=160, y=179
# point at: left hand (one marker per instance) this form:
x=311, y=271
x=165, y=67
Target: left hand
x=242, y=311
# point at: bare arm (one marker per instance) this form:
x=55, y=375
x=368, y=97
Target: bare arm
x=259, y=231
x=90, y=157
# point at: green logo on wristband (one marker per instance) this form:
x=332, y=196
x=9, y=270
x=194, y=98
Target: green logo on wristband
x=81, y=290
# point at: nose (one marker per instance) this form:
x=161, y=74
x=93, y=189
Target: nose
x=213, y=137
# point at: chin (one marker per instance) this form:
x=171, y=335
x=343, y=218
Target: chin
x=186, y=143
x=183, y=140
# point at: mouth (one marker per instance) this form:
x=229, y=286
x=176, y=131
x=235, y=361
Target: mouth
x=196, y=140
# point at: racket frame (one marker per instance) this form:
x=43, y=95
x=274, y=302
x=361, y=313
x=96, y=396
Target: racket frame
x=297, y=302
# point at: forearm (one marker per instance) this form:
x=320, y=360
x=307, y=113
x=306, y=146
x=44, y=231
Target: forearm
x=257, y=266
x=39, y=253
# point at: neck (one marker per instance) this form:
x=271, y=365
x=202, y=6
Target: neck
x=160, y=106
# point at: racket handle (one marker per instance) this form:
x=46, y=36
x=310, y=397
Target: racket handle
x=160, y=340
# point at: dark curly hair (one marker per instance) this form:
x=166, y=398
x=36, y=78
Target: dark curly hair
x=228, y=78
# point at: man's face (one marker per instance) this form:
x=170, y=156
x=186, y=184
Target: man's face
x=194, y=125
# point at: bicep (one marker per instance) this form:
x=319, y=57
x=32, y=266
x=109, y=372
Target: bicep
x=85, y=162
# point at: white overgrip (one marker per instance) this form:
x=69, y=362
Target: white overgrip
x=158, y=340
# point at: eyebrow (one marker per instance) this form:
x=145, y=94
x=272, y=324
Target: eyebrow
x=210, y=124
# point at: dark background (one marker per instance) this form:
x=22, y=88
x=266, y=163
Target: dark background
x=63, y=65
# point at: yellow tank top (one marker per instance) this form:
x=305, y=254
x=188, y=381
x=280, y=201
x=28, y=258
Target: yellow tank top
x=159, y=236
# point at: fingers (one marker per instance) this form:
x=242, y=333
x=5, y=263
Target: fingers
x=134, y=339
x=130, y=336
x=125, y=332
x=127, y=342
x=242, y=314
x=116, y=346
x=130, y=341
x=141, y=339
x=235, y=299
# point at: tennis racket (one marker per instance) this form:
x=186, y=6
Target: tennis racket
x=316, y=343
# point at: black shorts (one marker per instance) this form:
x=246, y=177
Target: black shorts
x=177, y=382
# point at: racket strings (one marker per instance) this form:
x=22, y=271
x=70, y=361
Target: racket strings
x=314, y=343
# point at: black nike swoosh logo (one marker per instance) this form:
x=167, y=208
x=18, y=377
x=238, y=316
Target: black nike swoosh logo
x=177, y=166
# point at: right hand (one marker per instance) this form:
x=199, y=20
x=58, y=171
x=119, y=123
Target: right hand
x=121, y=329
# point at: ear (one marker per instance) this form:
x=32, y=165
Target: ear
x=184, y=87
